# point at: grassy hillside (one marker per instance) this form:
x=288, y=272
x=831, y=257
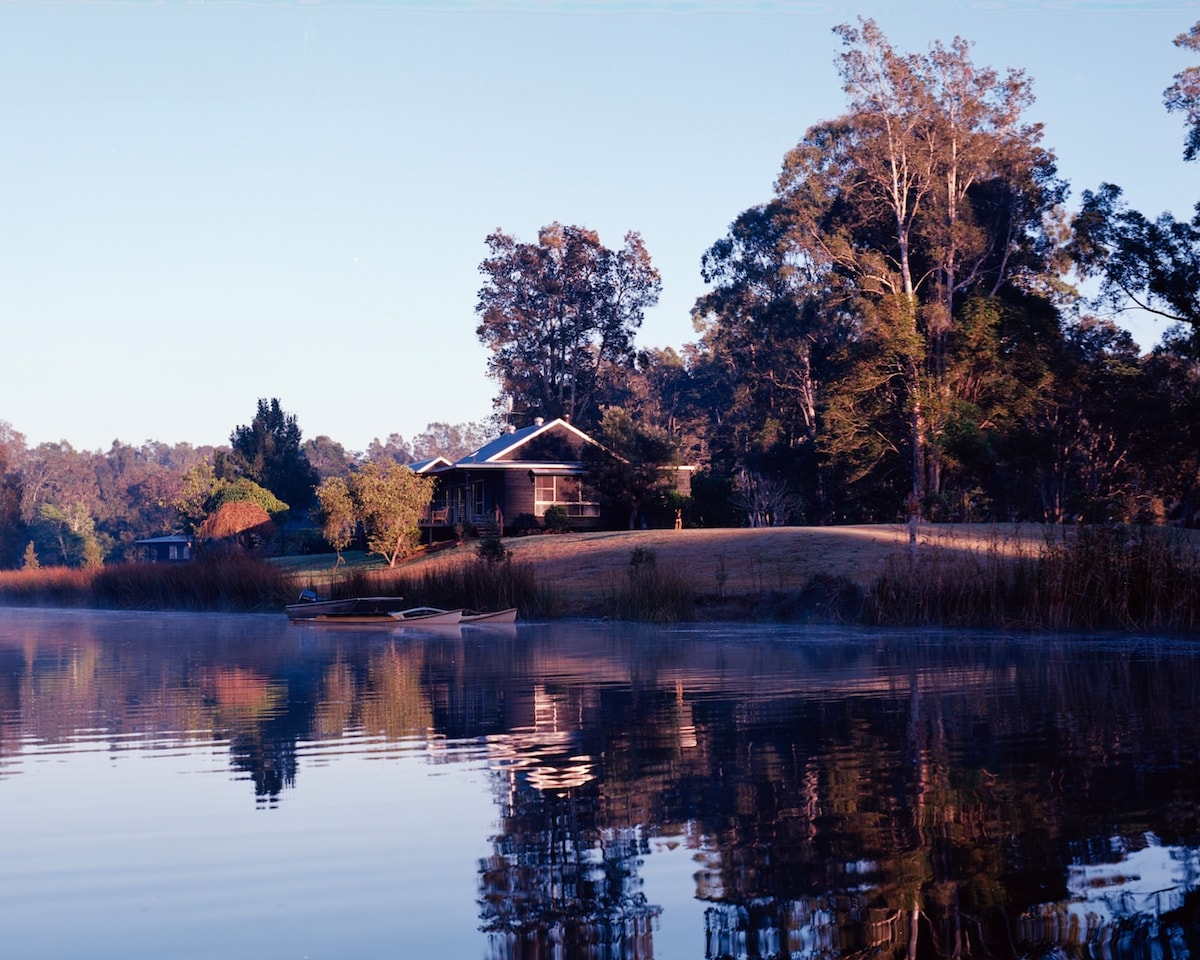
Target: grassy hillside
x=742, y=561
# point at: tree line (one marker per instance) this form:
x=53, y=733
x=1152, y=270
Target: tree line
x=62, y=506
x=894, y=331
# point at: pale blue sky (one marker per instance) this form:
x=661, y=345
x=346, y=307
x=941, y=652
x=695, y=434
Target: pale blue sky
x=202, y=203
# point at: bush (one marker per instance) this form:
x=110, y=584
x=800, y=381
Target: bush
x=557, y=520
x=491, y=548
x=525, y=523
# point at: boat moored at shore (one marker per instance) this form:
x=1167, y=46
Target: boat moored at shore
x=310, y=607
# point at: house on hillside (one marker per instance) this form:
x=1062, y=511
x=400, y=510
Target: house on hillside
x=516, y=478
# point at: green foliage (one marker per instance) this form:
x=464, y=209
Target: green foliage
x=337, y=513
x=243, y=488
x=1183, y=96
x=327, y=456
x=70, y=532
x=13, y=528
x=491, y=548
x=193, y=493
x=452, y=441
x=559, y=317
x=93, y=554
x=632, y=471
x=557, y=520
x=385, y=498
x=269, y=452
x=935, y=127
x=1152, y=265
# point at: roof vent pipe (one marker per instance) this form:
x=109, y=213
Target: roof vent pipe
x=538, y=421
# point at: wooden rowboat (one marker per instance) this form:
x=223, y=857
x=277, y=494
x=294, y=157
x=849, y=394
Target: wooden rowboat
x=496, y=616
x=428, y=616
x=310, y=607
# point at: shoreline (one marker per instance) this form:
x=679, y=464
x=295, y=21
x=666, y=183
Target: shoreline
x=1026, y=577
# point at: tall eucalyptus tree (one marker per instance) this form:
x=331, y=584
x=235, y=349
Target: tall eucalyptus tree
x=930, y=191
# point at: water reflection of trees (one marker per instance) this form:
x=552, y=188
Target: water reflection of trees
x=926, y=821
x=920, y=808
x=894, y=798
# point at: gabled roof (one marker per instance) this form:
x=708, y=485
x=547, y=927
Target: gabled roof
x=433, y=463
x=510, y=442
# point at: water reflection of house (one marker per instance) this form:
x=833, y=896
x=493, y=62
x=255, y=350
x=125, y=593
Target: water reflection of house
x=561, y=881
x=171, y=549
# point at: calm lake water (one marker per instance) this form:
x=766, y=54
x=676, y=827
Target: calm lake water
x=238, y=786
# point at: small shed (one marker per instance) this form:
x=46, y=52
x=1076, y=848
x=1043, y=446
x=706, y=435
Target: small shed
x=171, y=549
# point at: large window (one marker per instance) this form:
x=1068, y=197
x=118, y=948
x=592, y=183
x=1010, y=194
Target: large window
x=566, y=492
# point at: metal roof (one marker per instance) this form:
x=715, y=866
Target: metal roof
x=491, y=452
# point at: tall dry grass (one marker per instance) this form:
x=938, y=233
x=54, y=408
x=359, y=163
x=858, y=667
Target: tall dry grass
x=221, y=584
x=1128, y=579
x=649, y=593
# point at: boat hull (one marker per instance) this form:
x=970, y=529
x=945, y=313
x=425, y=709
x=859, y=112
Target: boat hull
x=350, y=610
x=497, y=616
x=427, y=617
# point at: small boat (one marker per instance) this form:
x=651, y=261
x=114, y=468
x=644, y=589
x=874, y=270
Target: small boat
x=311, y=608
x=427, y=616
x=496, y=616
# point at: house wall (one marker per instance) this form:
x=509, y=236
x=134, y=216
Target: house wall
x=517, y=494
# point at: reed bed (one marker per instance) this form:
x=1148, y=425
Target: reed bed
x=219, y=584
x=46, y=586
x=1128, y=579
x=649, y=593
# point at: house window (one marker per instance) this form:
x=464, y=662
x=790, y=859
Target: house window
x=477, y=498
x=566, y=492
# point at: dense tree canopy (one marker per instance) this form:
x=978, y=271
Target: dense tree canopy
x=632, y=474
x=930, y=193
x=559, y=317
x=269, y=452
x=862, y=325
